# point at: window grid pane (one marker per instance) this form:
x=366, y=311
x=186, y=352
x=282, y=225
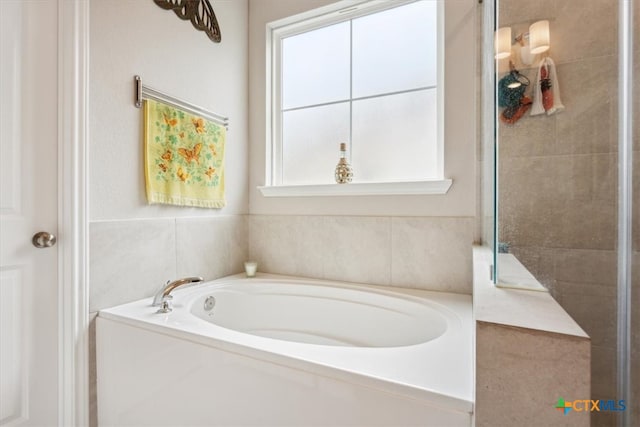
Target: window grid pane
x=315, y=66
x=387, y=113
x=384, y=42
x=394, y=137
x=311, y=139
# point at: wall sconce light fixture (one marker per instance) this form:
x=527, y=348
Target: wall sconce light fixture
x=503, y=42
x=531, y=43
x=539, y=37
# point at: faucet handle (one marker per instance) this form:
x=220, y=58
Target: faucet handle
x=165, y=307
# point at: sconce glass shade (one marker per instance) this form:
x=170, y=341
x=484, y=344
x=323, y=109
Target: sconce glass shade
x=539, y=37
x=503, y=42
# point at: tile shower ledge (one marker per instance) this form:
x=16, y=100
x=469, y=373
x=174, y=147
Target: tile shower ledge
x=517, y=308
x=438, y=186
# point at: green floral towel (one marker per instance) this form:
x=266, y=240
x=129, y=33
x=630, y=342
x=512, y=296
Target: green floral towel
x=184, y=158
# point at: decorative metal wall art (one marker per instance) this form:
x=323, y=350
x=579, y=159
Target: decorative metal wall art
x=199, y=12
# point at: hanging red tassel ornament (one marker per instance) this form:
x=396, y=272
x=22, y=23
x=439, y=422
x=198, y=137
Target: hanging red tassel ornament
x=545, y=87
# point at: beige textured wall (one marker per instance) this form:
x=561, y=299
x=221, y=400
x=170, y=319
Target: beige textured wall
x=519, y=380
x=138, y=37
x=558, y=175
x=529, y=354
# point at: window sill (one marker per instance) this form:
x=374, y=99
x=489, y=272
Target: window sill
x=439, y=186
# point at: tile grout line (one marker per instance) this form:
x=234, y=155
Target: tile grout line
x=391, y=251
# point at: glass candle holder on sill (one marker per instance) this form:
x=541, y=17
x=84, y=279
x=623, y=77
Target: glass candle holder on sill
x=250, y=268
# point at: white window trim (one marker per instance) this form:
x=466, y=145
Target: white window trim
x=337, y=12
x=436, y=186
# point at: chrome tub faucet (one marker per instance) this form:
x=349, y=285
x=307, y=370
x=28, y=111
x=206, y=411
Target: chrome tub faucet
x=163, y=297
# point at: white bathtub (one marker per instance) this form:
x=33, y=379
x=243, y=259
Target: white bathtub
x=278, y=350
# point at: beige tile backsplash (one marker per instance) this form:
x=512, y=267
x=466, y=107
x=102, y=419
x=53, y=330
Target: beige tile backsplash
x=357, y=249
x=290, y=245
x=211, y=247
x=129, y=260
x=432, y=253
x=132, y=259
x=426, y=253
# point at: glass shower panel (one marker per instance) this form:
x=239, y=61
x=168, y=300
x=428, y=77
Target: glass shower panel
x=487, y=133
x=556, y=124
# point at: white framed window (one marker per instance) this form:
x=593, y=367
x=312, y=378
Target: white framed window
x=366, y=73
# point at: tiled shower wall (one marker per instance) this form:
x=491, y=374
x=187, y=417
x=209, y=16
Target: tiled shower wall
x=558, y=175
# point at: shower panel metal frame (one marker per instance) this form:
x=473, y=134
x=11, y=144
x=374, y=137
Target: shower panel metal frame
x=489, y=133
x=625, y=203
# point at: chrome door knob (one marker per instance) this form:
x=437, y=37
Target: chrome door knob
x=42, y=239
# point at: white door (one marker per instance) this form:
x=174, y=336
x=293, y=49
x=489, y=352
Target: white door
x=28, y=204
